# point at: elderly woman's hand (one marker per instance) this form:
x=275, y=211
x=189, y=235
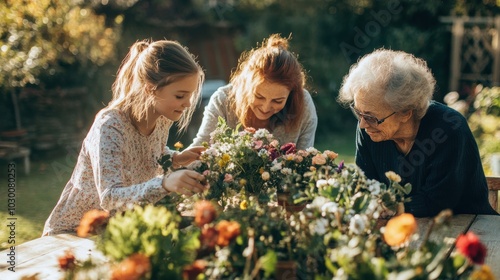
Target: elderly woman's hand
x=187, y=156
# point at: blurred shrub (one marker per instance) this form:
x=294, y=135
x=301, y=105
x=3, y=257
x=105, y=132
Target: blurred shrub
x=485, y=124
x=39, y=38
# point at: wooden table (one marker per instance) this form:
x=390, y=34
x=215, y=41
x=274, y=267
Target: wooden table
x=40, y=256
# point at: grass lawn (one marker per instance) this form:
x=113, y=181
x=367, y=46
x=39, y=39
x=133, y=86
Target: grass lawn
x=38, y=192
x=36, y=195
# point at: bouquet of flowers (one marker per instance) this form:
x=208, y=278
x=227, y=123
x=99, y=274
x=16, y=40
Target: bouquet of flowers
x=237, y=160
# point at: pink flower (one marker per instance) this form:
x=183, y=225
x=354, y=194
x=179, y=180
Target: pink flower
x=288, y=148
x=206, y=172
x=274, y=143
x=258, y=144
x=298, y=159
x=228, y=178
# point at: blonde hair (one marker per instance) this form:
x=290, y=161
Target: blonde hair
x=271, y=62
x=403, y=81
x=147, y=67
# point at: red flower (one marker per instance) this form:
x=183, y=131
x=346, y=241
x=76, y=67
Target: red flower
x=204, y=213
x=67, y=261
x=288, y=148
x=92, y=222
x=470, y=246
x=191, y=272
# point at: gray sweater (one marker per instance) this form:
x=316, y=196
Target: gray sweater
x=218, y=105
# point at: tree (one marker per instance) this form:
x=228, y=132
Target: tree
x=38, y=38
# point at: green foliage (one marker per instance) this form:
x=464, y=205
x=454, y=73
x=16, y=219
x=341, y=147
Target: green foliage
x=485, y=124
x=39, y=37
x=154, y=232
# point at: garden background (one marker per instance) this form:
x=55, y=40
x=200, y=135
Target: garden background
x=58, y=59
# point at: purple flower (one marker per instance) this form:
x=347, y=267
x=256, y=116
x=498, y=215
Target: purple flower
x=288, y=148
x=341, y=166
x=273, y=153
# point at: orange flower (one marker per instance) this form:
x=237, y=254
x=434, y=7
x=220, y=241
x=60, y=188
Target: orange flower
x=399, y=229
x=134, y=267
x=330, y=154
x=208, y=237
x=204, y=213
x=318, y=159
x=92, y=222
x=484, y=273
x=67, y=261
x=191, y=272
x=228, y=230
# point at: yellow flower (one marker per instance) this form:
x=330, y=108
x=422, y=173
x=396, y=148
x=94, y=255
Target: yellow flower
x=261, y=170
x=244, y=205
x=178, y=145
x=391, y=175
x=243, y=182
x=224, y=160
x=484, y=273
x=399, y=229
x=289, y=157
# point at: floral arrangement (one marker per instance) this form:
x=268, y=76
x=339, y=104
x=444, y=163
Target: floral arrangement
x=348, y=226
x=237, y=161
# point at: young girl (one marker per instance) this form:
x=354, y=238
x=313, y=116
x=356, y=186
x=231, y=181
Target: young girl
x=158, y=83
x=265, y=91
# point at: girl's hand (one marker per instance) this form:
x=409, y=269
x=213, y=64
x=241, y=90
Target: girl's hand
x=187, y=156
x=185, y=182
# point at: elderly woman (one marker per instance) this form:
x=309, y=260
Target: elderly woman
x=401, y=129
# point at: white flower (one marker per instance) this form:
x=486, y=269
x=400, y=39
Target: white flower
x=374, y=187
x=319, y=226
x=319, y=201
x=262, y=153
x=332, y=181
x=329, y=207
x=276, y=166
x=321, y=183
x=357, y=224
x=261, y=133
x=313, y=151
x=286, y=171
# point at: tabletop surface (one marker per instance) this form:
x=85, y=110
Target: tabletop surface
x=40, y=256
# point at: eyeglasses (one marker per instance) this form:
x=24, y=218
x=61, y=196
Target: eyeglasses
x=371, y=120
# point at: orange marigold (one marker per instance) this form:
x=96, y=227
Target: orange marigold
x=204, y=213
x=191, y=272
x=228, y=230
x=134, y=267
x=399, y=229
x=92, y=222
x=67, y=261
